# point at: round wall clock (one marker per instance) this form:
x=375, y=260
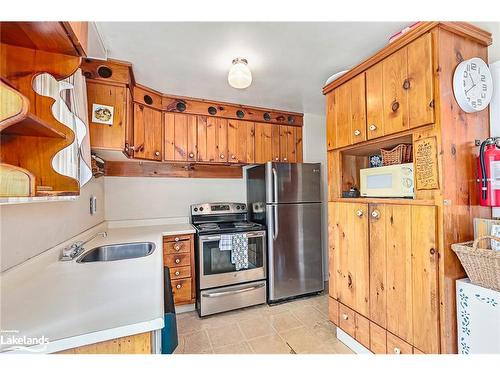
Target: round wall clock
x=473, y=85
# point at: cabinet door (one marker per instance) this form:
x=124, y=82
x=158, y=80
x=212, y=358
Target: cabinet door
x=180, y=137
x=358, y=109
x=207, y=139
x=350, y=255
x=396, y=345
x=375, y=101
x=287, y=144
x=425, y=279
x=378, y=339
x=129, y=128
x=395, y=96
x=240, y=140
x=420, y=82
x=221, y=140
x=342, y=109
x=378, y=261
x=399, y=271
x=147, y=132
x=331, y=120
x=263, y=142
x=299, y=145
x=275, y=147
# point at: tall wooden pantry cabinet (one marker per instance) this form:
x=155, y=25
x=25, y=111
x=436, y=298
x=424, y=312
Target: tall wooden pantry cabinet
x=392, y=272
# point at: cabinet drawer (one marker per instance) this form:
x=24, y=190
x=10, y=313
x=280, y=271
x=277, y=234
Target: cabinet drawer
x=180, y=272
x=177, y=260
x=177, y=247
x=333, y=311
x=362, y=330
x=181, y=289
x=347, y=320
x=378, y=339
x=177, y=238
x=395, y=345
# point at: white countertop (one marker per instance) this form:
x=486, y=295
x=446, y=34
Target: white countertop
x=74, y=304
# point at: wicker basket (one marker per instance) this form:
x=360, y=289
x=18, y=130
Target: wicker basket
x=482, y=265
x=398, y=155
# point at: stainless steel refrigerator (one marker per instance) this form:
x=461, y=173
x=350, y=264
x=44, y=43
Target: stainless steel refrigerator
x=287, y=199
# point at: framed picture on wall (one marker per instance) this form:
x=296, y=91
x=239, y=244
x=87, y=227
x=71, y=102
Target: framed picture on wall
x=102, y=114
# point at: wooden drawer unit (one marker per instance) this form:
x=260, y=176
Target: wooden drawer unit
x=362, y=330
x=333, y=311
x=347, y=320
x=378, y=339
x=395, y=345
x=181, y=289
x=180, y=272
x=177, y=260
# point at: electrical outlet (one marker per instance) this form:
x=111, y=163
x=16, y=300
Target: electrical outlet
x=93, y=204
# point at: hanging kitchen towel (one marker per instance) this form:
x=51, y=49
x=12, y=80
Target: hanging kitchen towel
x=239, y=253
x=226, y=242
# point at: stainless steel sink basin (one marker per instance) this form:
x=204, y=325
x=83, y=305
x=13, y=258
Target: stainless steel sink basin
x=109, y=253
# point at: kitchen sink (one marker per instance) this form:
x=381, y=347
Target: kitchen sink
x=109, y=253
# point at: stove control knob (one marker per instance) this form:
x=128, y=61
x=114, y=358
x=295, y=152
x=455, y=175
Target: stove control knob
x=237, y=207
x=195, y=209
x=243, y=207
x=201, y=208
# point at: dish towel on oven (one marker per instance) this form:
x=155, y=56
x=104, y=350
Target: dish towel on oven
x=226, y=242
x=239, y=253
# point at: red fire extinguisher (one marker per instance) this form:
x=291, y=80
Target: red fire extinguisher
x=489, y=172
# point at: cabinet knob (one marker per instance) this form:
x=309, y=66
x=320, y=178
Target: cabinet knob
x=376, y=214
x=222, y=156
x=345, y=316
x=177, y=261
x=395, y=106
x=177, y=247
x=191, y=155
x=178, y=286
x=177, y=273
x=176, y=239
x=233, y=157
x=359, y=213
x=373, y=127
x=357, y=132
x=277, y=159
x=285, y=159
x=397, y=350
x=157, y=153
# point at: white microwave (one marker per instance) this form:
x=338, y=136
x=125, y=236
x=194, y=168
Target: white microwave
x=389, y=181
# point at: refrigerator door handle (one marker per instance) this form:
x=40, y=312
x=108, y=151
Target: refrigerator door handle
x=275, y=222
x=275, y=186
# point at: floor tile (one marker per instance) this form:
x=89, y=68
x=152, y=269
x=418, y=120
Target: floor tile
x=302, y=340
x=196, y=342
x=325, y=331
x=225, y=335
x=284, y=321
x=240, y=348
x=255, y=326
x=308, y=314
x=272, y=344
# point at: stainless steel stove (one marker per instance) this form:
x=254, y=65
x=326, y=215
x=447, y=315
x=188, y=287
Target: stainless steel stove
x=220, y=286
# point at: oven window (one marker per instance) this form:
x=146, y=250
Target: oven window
x=216, y=261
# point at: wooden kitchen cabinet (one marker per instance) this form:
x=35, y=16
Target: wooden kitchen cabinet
x=212, y=139
x=349, y=247
x=288, y=153
x=299, y=144
x=275, y=147
x=378, y=339
x=241, y=141
x=180, y=137
x=396, y=345
x=333, y=310
x=263, y=142
x=147, y=133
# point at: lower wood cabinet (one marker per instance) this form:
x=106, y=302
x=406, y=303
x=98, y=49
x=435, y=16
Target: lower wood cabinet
x=135, y=344
x=396, y=345
x=178, y=256
x=378, y=339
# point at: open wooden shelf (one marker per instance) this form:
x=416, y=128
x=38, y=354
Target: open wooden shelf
x=401, y=201
x=33, y=126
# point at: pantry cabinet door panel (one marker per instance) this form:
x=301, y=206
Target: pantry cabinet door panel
x=426, y=336
x=331, y=121
x=395, y=96
x=358, y=109
x=378, y=261
x=374, y=101
x=343, y=112
x=399, y=271
x=420, y=82
x=263, y=142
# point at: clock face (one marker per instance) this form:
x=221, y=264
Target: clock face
x=472, y=85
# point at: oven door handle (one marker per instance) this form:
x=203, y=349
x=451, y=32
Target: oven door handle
x=230, y=292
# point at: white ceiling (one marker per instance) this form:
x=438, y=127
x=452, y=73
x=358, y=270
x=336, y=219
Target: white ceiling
x=290, y=62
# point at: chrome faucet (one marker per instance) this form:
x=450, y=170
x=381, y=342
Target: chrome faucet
x=72, y=251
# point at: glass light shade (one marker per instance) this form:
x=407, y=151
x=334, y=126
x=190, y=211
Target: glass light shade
x=240, y=76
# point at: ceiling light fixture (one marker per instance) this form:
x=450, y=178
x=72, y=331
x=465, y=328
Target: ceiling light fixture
x=240, y=76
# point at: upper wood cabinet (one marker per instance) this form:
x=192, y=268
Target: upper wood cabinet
x=346, y=116
x=180, y=137
x=263, y=142
x=148, y=137
x=349, y=255
x=288, y=152
x=399, y=90
x=241, y=141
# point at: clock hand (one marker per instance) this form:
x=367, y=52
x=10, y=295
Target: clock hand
x=466, y=91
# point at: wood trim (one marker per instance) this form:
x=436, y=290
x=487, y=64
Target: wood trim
x=400, y=201
x=140, y=343
x=153, y=169
x=463, y=29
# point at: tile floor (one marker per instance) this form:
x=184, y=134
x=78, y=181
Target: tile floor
x=297, y=327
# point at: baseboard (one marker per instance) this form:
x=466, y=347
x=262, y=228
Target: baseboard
x=352, y=344
x=185, y=308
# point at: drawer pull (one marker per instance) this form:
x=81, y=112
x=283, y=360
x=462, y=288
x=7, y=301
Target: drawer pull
x=376, y=214
x=359, y=213
x=222, y=156
x=177, y=273
x=285, y=159
x=373, y=127
x=191, y=155
x=178, y=286
x=397, y=350
x=177, y=247
x=345, y=316
x=176, y=239
x=277, y=159
x=177, y=261
x=157, y=153
x=357, y=132
x=233, y=157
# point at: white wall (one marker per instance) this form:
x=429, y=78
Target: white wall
x=31, y=228
x=157, y=197
x=314, y=140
